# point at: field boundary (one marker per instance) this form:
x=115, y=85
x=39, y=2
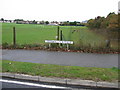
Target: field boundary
x=82, y=50
x=34, y=36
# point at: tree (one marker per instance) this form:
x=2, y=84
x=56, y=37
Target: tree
x=18, y=20
x=90, y=23
x=113, y=21
x=2, y=19
x=98, y=22
x=108, y=26
x=46, y=22
x=34, y=22
x=110, y=14
x=73, y=23
x=110, y=22
x=66, y=23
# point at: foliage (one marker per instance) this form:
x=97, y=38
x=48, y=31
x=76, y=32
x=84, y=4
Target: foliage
x=107, y=26
x=18, y=20
x=46, y=22
x=74, y=23
x=110, y=22
x=2, y=19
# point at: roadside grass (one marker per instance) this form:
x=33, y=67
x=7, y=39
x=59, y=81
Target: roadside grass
x=49, y=70
x=36, y=34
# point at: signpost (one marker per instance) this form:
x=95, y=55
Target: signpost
x=57, y=41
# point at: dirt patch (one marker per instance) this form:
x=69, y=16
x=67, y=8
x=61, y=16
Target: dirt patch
x=85, y=50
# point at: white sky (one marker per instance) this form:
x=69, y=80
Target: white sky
x=56, y=10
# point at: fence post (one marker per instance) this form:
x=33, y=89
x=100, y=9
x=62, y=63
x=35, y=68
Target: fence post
x=58, y=33
x=14, y=37
x=61, y=37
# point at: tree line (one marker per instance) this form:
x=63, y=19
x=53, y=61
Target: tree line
x=110, y=25
x=110, y=22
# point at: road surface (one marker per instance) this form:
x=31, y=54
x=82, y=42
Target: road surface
x=62, y=58
x=9, y=84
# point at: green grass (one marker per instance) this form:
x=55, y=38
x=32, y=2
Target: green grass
x=36, y=34
x=49, y=70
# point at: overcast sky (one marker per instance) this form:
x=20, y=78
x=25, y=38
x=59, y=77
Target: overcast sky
x=56, y=10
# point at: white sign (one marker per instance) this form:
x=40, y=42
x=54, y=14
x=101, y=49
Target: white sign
x=57, y=41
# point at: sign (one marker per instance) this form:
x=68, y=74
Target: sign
x=57, y=41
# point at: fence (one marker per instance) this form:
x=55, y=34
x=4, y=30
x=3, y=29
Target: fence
x=37, y=34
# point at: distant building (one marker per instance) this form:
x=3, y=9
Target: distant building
x=1, y=21
x=85, y=21
x=55, y=23
x=6, y=21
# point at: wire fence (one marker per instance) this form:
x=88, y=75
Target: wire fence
x=37, y=34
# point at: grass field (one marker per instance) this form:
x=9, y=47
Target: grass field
x=36, y=34
x=49, y=70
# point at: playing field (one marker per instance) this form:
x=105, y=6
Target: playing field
x=37, y=34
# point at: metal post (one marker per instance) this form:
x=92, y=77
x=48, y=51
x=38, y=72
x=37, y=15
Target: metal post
x=66, y=82
x=67, y=46
x=14, y=37
x=49, y=45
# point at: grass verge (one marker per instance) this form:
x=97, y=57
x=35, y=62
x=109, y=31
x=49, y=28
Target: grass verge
x=49, y=70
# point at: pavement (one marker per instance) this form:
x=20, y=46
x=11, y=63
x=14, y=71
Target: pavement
x=66, y=81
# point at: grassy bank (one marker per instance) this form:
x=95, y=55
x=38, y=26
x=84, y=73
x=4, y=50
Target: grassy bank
x=48, y=70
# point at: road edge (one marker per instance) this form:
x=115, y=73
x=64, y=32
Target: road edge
x=61, y=80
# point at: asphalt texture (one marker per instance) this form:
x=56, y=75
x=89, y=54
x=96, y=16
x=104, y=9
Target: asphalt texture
x=8, y=85
x=62, y=58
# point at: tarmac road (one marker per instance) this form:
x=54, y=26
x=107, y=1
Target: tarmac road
x=62, y=58
x=16, y=84
x=8, y=83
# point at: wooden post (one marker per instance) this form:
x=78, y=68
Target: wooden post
x=61, y=37
x=58, y=33
x=14, y=37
